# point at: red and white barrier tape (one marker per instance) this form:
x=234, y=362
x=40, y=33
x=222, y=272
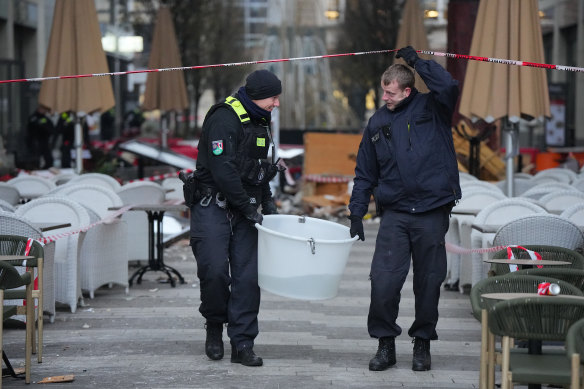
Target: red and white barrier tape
x=108, y=219
x=159, y=177
x=438, y=54
x=327, y=179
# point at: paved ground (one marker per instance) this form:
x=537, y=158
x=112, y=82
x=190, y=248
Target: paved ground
x=154, y=337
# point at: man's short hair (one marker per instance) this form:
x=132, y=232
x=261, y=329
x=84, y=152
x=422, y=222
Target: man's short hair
x=401, y=73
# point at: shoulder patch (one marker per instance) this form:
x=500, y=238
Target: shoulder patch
x=217, y=146
x=375, y=138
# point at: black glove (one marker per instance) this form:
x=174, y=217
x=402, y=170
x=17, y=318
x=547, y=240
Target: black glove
x=269, y=208
x=408, y=54
x=357, y=227
x=254, y=217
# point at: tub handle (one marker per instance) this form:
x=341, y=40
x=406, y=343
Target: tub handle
x=302, y=219
x=312, y=244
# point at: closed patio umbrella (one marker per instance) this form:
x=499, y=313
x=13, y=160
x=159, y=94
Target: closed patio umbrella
x=75, y=48
x=507, y=30
x=165, y=91
x=413, y=33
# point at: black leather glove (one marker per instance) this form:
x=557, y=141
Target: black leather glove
x=408, y=54
x=254, y=217
x=269, y=208
x=357, y=227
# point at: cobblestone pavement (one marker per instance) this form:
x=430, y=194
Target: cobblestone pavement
x=153, y=337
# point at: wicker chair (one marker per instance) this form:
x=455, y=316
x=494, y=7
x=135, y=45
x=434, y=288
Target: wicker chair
x=133, y=194
x=31, y=186
x=13, y=224
x=480, y=307
x=571, y=275
x=559, y=174
x=104, y=252
x=472, y=198
x=9, y=193
x=538, y=191
x=539, y=319
x=16, y=245
x=497, y=213
x=558, y=201
x=552, y=253
x=10, y=279
x=98, y=179
x=67, y=249
x=552, y=230
x=575, y=351
x=6, y=206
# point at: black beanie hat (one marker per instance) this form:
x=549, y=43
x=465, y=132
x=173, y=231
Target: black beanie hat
x=262, y=84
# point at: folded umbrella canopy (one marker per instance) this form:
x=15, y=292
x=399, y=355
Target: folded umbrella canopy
x=75, y=48
x=413, y=33
x=166, y=90
x=507, y=30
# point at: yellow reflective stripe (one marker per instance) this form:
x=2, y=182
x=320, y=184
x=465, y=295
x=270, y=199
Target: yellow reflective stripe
x=238, y=108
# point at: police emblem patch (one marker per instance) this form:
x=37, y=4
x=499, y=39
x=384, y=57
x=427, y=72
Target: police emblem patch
x=217, y=146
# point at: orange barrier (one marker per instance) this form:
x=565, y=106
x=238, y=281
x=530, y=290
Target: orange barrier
x=547, y=160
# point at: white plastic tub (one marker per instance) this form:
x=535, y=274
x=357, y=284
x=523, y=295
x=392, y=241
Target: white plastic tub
x=302, y=257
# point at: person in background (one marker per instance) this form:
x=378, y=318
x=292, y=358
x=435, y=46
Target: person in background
x=66, y=130
x=407, y=155
x=40, y=130
x=231, y=182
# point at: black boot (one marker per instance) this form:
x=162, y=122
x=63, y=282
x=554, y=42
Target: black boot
x=385, y=356
x=214, y=341
x=422, y=360
x=245, y=356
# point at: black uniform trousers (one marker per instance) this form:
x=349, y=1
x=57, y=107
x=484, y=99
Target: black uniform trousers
x=402, y=236
x=225, y=247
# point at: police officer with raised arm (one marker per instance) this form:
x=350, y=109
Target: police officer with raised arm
x=407, y=154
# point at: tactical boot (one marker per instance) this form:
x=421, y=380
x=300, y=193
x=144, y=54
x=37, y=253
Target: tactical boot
x=422, y=360
x=245, y=356
x=214, y=342
x=385, y=356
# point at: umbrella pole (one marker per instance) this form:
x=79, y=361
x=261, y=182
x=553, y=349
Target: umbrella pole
x=511, y=150
x=78, y=145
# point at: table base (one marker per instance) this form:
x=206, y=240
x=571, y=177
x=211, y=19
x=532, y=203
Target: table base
x=164, y=268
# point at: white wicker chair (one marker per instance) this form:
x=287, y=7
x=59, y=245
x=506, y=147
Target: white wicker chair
x=479, y=184
x=520, y=185
x=9, y=193
x=6, y=206
x=540, y=190
x=474, y=198
x=498, y=213
x=104, y=252
x=463, y=176
x=140, y=192
x=575, y=214
x=578, y=183
x=556, y=202
x=95, y=179
x=98, y=198
x=548, y=229
x=13, y=224
x=104, y=255
x=176, y=185
x=68, y=248
x=558, y=174
x=31, y=187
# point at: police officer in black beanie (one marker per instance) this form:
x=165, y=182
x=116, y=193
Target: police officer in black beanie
x=232, y=183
